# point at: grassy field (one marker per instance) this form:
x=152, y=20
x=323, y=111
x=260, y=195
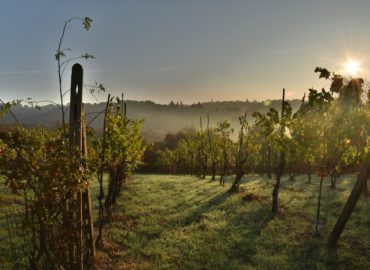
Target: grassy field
x=182, y=222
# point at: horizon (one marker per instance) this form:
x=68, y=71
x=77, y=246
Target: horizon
x=25, y=103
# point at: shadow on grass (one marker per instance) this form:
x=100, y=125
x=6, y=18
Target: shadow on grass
x=249, y=227
x=310, y=251
x=197, y=215
x=332, y=259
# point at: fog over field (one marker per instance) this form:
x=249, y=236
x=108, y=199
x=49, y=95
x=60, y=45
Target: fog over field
x=159, y=119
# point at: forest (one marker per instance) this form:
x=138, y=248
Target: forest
x=160, y=119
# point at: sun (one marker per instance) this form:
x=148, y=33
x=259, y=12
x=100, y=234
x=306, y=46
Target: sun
x=352, y=67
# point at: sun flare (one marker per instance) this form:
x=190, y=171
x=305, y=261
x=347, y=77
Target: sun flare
x=352, y=67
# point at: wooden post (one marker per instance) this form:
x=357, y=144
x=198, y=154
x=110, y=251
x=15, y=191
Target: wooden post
x=362, y=177
x=86, y=197
x=323, y=170
x=77, y=139
x=322, y=174
x=75, y=132
x=99, y=238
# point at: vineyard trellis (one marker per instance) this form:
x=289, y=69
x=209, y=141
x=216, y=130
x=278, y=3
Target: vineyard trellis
x=329, y=132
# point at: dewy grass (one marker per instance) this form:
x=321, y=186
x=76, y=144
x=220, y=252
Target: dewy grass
x=182, y=222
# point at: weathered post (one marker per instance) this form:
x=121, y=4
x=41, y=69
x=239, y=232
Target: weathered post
x=99, y=238
x=86, y=199
x=322, y=175
x=362, y=177
x=77, y=140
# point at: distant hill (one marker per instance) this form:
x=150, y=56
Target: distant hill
x=159, y=119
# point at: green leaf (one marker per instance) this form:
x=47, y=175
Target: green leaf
x=87, y=23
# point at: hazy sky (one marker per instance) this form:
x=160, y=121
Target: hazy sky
x=183, y=50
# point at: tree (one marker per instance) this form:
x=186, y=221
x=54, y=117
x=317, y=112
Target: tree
x=268, y=124
x=286, y=113
x=212, y=149
x=243, y=152
x=225, y=131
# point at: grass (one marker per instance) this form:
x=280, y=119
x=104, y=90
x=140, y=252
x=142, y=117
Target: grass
x=182, y=222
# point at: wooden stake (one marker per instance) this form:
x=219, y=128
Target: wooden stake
x=77, y=139
x=87, y=211
x=99, y=239
x=362, y=177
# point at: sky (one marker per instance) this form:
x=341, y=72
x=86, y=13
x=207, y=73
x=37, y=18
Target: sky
x=182, y=50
